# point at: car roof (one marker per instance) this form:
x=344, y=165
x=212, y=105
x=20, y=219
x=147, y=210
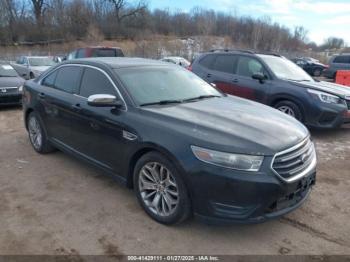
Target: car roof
x=241, y=51
x=28, y=56
x=118, y=62
x=174, y=57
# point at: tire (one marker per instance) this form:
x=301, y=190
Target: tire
x=290, y=108
x=317, y=72
x=31, y=75
x=171, y=208
x=37, y=135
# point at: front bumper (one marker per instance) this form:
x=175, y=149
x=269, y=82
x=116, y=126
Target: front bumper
x=220, y=195
x=322, y=115
x=11, y=99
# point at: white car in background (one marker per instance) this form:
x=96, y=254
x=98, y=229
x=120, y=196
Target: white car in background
x=30, y=67
x=176, y=60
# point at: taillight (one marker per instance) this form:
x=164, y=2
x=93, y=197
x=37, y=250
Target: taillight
x=189, y=68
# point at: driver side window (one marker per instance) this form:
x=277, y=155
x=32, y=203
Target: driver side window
x=95, y=82
x=248, y=66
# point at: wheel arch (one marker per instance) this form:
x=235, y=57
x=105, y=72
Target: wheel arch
x=27, y=112
x=140, y=152
x=275, y=100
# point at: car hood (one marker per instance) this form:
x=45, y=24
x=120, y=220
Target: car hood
x=331, y=88
x=11, y=81
x=232, y=124
x=40, y=68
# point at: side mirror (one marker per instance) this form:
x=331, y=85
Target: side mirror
x=259, y=76
x=104, y=100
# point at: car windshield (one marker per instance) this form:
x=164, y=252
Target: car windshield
x=149, y=85
x=41, y=61
x=7, y=71
x=285, y=69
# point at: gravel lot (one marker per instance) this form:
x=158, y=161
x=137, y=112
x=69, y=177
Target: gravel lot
x=55, y=204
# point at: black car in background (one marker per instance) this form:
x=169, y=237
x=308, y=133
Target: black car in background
x=312, y=66
x=276, y=81
x=185, y=147
x=10, y=85
x=336, y=63
x=95, y=51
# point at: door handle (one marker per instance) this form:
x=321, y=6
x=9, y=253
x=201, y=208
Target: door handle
x=235, y=80
x=76, y=107
x=41, y=96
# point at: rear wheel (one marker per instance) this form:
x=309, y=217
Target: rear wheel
x=37, y=136
x=161, y=190
x=317, y=72
x=290, y=108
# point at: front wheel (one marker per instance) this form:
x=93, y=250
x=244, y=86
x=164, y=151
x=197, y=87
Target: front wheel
x=290, y=108
x=317, y=72
x=37, y=135
x=161, y=190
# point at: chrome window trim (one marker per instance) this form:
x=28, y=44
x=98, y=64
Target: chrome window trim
x=89, y=66
x=306, y=171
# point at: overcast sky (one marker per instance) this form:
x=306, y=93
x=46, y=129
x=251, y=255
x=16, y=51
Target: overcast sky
x=322, y=18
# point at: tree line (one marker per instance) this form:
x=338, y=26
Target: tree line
x=66, y=20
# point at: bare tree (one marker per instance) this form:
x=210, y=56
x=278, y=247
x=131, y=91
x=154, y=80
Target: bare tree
x=38, y=8
x=123, y=9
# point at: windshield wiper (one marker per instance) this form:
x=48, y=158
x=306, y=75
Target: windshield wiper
x=200, y=97
x=163, y=102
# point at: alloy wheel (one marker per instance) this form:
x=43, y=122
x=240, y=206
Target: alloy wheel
x=35, y=134
x=287, y=110
x=158, y=189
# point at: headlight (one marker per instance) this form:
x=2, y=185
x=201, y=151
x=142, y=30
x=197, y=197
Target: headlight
x=20, y=89
x=234, y=161
x=325, y=97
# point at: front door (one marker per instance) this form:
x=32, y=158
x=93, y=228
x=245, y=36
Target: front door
x=97, y=131
x=246, y=86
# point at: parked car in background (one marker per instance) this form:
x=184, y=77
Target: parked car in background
x=312, y=66
x=185, y=147
x=30, y=67
x=11, y=85
x=97, y=51
x=276, y=81
x=338, y=62
x=176, y=60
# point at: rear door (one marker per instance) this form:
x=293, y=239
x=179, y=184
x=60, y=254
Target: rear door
x=246, y=86
x=220, y=72
x=97, y=131
x=57, y=102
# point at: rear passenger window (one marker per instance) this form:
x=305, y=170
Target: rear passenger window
x=95, y=82
x=248, y=66
x=224, y=63
x=207, y=61
x=50, y=79
x=342, y=59
x=68, y=78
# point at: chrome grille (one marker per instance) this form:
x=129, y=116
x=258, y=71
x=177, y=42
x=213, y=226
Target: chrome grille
x=8, y=90
x=296, y=161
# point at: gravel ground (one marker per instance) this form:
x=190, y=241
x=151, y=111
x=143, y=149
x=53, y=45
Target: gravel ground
x=55, y=204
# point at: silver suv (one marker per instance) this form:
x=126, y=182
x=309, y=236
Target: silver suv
x=338, y=62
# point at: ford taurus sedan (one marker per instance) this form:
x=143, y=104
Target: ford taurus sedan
x=183, y=146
